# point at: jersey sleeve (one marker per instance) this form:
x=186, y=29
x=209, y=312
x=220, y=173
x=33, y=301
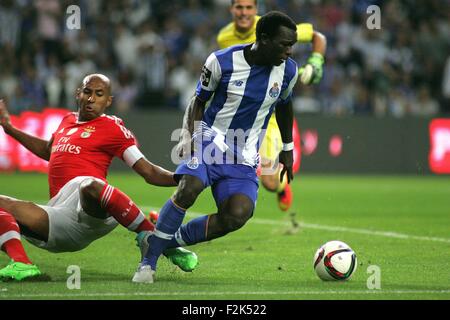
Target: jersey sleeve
x=305, y=32
x=209, y=79
x=120, y=139
x=286, y=94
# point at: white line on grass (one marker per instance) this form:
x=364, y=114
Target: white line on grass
x=222, y=293
x=387, y=234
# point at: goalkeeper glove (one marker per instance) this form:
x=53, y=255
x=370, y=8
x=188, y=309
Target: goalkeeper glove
x=312, y=72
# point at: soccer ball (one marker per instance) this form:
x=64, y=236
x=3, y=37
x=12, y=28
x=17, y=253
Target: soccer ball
x=335, y=260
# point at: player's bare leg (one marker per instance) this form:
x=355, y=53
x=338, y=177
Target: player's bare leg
x=100, y=200
x=28, y=215
x=232, y=215
x=271, y=182
x=271, y=179
x=16, y=215
x=170, y=219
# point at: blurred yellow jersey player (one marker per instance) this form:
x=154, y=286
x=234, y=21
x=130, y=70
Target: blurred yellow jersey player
x=242, y=30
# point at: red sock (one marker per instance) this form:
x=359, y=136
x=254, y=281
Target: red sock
x=10, y=238
x=123, y=209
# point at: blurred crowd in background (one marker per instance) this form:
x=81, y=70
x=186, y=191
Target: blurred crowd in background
x=153, y=51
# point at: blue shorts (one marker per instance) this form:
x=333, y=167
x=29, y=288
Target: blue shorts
x=225, y=179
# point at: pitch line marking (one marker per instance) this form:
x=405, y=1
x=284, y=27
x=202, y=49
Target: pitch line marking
x=221, y=293
x=387, y=234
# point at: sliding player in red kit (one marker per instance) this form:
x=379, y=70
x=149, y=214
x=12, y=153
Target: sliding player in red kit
x=83, y=206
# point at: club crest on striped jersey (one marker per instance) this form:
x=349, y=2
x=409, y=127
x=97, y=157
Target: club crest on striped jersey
x=274, y=91
x=193, y=163
x=87, y=132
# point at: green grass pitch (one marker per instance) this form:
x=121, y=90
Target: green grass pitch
x=399, y=223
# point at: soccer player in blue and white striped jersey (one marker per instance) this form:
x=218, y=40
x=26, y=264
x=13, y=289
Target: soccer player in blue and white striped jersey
x=238, y=90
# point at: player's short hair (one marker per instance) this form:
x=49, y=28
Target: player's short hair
x=271, y=21
x=233, y=1
x=100, y=76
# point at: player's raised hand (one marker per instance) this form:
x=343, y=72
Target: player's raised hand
x=312, y=72
x=286, y=158
x=5, y=120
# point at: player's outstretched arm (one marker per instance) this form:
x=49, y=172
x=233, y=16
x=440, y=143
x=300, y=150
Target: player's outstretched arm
x=285, y=118
x=319, y=43
x=38, y=146
x=5, y=120
x=154, y=174
x=312, y=72
x=193, y=113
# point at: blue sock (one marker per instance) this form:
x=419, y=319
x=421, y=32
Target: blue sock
x=169, y=221
x=190, y=233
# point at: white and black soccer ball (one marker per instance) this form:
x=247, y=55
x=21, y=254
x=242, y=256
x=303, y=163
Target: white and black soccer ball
x=335, y=260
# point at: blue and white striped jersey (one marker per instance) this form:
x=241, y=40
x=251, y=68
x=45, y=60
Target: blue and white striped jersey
x=243, y=99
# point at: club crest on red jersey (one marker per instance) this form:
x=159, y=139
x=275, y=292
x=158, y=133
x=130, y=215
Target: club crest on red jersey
x=87, y=132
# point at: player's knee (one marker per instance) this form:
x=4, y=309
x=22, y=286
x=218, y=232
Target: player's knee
x=91, y=189
x=7, y=203
x=233, y=223
x=185, y=197
x=4, y=202
x=238, y=215
x=187, y=193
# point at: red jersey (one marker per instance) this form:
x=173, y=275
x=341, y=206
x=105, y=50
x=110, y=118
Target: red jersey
x=85, y=148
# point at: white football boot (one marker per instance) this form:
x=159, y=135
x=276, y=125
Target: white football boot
x=144, y=274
